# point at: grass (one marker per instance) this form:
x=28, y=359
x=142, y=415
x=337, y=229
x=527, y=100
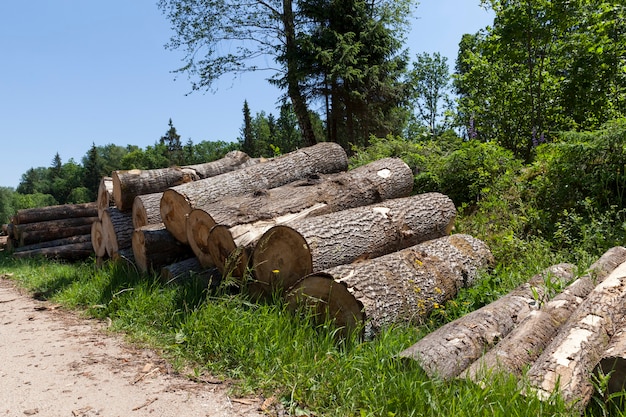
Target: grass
x=272, y=352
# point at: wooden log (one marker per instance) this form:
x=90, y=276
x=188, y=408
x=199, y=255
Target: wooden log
x=32, y=233
x=187, y=269
x=401, y=287
x=98, y=242
x=318, y=243
x=105, y=195
x=449, y=350
x=147, y=209
x=231, y=161
x=57, y=212
x=523, y=345
x=177, y=202
x=56, y=242
x=567, y=363
x=70, y=252
x=612, y=365
x=117, y=230
x=155, y=247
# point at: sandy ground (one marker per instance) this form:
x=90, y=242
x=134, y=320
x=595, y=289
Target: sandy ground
x=54, y=363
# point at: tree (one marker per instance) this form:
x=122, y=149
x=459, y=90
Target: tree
x=247, y=144
x=92, y=162
x=174, y=148
x=7, y=205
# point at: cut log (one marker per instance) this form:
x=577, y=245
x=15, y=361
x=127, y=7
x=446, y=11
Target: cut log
x=567, y=363
x=56, y=242
x=401, y=287
x=57, y=212
x=105, y=195
x=449, y=350
x=71, y=252
x=32, y=233
x=177, y=202
x=384, y=179
x=318, y=243
x=154, y=247
x=98, y=242
x=187, y=269
x=231, y=161
x=147, y=209
x=524, y=344
x=613, y=363
x=117, y=229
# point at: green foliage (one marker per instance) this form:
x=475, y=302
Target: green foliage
x=7, y=204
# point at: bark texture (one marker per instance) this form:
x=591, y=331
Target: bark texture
x=177, y=202
x=32, y=233
x=105, y=195
x=401, y=287
x=452, y=348
x=56, y=242
x=613, y=363
x=187, y=269
x=70, y=252
x=49, y=213
x=147, y=209
x=322, y=242
x=154, y=247
x=117, y=229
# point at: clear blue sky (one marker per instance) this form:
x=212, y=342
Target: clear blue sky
x=77, y=72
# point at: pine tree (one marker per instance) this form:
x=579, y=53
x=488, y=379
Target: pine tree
x=171, y=140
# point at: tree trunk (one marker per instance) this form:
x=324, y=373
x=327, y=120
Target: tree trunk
x=98, y=241
x=117, y=229
x=105, y=195
x=568, y=361
x=58, y=212
x=56, y=242
x=155, y=247
x=43, y=231
x=401, y=287
x=147, y=209
x=187, y=269
x=524, y=344
x=70, y=252
x=177, y=202
x=613, y=363
x=449, y=350
x=322, y=242
x=321, y=194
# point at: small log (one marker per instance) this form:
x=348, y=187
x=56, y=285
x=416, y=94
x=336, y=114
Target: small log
x=49, y=213
x=449, y=350
x=318, y=243
x=401, y=287
x=71, y=252
x=147, y=210
x=177, y=202
x=155, y=247
x=32, y=233
x=567, y=363
x=56, y=242
x=98, y=242
x=187, y=269
x=105, y=195
x=613, y=363
x=524, y=344
x=231, y=161
x=117, y=229
x=198, y=227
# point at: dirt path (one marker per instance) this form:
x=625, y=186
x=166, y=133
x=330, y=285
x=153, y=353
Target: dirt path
x=53, y=363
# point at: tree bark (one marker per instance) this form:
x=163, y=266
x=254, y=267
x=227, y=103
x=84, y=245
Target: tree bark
x=70, y=252
x=613, y=363
x=57, y=212
x=56, y=242
x=524, y=344
x=384, y=179
x=147, y=209
x=117, y=229
x=188, y=268
x=177, y=202
x=322, y=242
x=155, y=247
x=568, y=361
x=401, y=287
x=105, y=195
x=449, y=350
x=43, y=231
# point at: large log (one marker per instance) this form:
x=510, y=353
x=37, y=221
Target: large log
x=32, y=233
x=129, y=184
x=70, y=252
x=177, y=202
x=56, y=242
x=567, y=363
x=105, y=195
x=613, y=363
x=98, y=242
x=318, y=243
x=449, y=350
x=401, y=287
x=380, y=180
x=147, y=209
x=188, y=268
x=57, y=212
x=117, y=230
x=155, y=247
x=520, y=348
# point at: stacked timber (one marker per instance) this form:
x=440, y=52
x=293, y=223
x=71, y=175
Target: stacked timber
x=60, y=231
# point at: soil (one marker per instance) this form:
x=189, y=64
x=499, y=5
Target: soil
x=55, y=363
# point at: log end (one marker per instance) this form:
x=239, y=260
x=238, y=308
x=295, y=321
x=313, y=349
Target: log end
x=139, y=250
x=227, y=257
x=174, y=209
x=97, y=239
x=198, y=228
x=139, y=215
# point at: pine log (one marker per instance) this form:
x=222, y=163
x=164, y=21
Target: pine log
x=70, y=252
x=177, y=202
x=318, y=243
x=147, y=209
x=56, y=242
x=117, y=229
x=319, y=194
x=524, y=344
x=98, y=242
x=48, y=213
x=105, y=195
x=401, y=287
x=187, y=269
x=567, y=363
x=155, y=247
x=613, y=363
x=449, y=350
x=32, y=233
